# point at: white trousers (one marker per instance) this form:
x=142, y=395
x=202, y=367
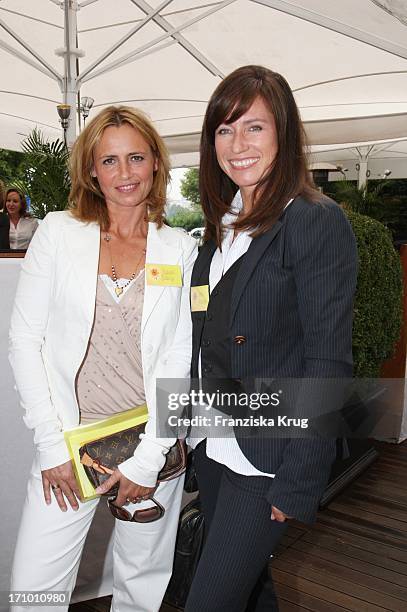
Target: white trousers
x=50, y=544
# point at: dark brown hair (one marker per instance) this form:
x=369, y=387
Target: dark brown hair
x=87, y=202
x=23, y=201
x=288, y=175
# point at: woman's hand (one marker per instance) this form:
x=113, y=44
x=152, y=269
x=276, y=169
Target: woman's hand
x=129, y=491
x=278, y=515
x=61, y=480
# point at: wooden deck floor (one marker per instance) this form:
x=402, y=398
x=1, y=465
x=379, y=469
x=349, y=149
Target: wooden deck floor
x=354, y=558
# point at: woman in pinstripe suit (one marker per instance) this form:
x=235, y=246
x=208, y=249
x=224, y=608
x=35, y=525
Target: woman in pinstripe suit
x=279, y=268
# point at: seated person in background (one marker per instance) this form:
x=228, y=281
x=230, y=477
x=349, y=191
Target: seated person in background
x=4, y=222
x=22, y=225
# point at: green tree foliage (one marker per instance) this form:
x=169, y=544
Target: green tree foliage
x=378, y=301
x=190, y=187
x=46, y=177
x=188, y=219
x=11, y=166
x=384, y=200
x=173, y=209
x=365, y=200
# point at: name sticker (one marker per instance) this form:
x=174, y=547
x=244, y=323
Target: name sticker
x=163, y=275
x=199, y=298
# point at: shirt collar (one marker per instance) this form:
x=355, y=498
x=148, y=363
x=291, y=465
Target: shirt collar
x=235, y=208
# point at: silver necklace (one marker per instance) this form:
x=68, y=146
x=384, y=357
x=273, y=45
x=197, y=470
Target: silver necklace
x=119, y=290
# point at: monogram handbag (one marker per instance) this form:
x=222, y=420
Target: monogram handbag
x=102, y=456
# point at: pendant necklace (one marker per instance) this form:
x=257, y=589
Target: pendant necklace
x=119, y=290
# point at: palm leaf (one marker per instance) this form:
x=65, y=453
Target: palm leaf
x=47, y=180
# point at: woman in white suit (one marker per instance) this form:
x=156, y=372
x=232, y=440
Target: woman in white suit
x=89, y=338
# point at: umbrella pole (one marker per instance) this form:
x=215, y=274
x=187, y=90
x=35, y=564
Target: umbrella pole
x=70, y=77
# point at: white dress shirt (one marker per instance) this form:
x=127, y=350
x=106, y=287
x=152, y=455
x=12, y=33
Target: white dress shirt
x=20, y=236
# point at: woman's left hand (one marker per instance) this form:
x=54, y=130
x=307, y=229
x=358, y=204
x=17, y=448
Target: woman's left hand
x=278, y=515
x=129, y=491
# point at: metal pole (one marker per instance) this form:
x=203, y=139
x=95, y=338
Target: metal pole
x=362, y=173
x=70, y=81
x=363, y=165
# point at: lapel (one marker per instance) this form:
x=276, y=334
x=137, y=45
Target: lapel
x=200, y=273
x=83, y=246
x=159, y=251
x=254, y=253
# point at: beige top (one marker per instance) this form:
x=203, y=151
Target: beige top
x=111, y=377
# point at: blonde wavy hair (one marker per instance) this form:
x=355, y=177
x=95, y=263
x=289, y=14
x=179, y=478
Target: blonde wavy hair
x=87, y=202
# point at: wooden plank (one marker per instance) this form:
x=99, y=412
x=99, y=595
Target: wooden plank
x=347, y=547
x=365, y=528
x=376, y=471
x=346, y=572
x=320, y=591
x=360, y=538
x=381, y=489
x=287, y=606
x=380, y=521
x=394, y=502
x=370, y=569
x=377, y=504
x=384, y=478
x=304, y=600
x=391, y=514
x=363, y=540
x=337, y=578
x=392, y=461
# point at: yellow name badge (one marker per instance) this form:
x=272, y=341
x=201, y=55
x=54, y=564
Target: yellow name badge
x=163, y=275
x=199, y=298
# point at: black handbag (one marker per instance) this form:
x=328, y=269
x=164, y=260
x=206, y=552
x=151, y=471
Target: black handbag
x=191, y=481
x=188, y=548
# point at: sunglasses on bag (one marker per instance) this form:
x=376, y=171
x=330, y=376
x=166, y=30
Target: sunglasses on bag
x=144, y=515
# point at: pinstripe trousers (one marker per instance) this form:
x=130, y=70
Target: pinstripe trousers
x=232, y=574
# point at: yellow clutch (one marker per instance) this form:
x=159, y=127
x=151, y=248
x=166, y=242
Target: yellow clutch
x=78, y=436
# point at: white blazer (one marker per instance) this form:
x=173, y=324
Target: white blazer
x=51, y=326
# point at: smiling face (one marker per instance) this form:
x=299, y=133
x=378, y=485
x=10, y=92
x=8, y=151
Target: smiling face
x=13, y=203
x=124, y=165
x=246, y=148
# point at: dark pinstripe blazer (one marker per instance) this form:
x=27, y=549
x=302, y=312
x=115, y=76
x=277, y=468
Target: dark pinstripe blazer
x=293, y=302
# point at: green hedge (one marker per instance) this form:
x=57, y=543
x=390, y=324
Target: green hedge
x=188, y=219
x=378, y=302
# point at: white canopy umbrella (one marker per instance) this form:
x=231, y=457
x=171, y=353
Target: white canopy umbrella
x=346, y=62
x=385, y=159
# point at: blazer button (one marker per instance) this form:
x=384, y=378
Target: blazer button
x=209, y=317
x=206, y=342
x=240, y=339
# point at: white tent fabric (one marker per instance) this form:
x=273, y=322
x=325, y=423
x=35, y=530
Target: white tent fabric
x=386, y=159
x=346, y=62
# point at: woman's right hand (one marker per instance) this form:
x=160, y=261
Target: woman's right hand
x=61, y=480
